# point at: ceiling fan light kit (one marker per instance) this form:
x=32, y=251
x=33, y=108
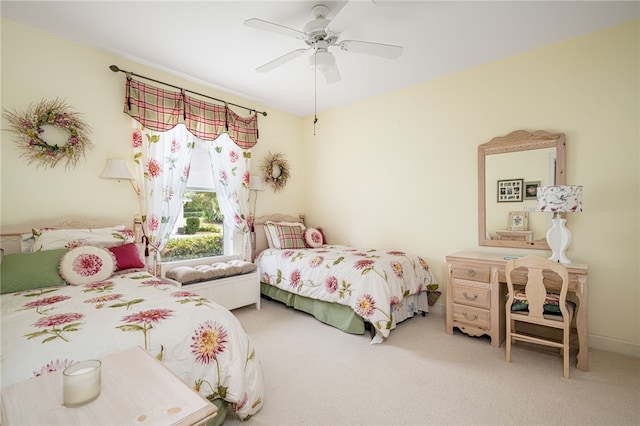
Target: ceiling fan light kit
x=322, y=34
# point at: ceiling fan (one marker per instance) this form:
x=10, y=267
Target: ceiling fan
x=322, y=34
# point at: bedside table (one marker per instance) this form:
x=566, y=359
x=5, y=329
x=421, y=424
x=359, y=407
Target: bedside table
x=136, y=389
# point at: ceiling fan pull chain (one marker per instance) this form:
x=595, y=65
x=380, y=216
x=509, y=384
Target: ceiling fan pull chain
x=315, y=94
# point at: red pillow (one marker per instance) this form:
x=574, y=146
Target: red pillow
x=127, y=256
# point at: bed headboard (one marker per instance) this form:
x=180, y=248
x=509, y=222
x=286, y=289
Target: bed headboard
x=258, y=228
x=11, y=234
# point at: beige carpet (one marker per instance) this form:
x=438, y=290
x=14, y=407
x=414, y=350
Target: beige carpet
x=317, y=375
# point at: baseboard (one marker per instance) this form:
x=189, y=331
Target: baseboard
x=595, y=342
x=612, y=345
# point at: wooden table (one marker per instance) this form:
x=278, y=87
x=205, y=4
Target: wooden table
x=136, y=390
x=484, y=274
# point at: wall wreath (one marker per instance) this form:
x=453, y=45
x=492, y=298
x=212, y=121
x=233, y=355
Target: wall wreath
x=48, y=132
x=275, y=171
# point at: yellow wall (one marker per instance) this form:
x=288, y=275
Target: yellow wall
x=395, y=171
x=399, y=170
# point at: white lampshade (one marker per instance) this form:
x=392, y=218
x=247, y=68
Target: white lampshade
x=255, y=184
x=116, y=168
x=559, y=199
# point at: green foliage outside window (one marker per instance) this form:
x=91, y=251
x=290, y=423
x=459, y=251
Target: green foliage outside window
x=201, y=233
x=192, y=225
x=193, y=247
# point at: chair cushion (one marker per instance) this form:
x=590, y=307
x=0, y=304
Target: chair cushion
x=551, y=305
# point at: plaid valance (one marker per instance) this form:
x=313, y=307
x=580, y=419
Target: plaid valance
x=161, y=110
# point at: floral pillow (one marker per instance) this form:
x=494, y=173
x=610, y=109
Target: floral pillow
x=86, y=265
x=51, y=238
x=313, y=238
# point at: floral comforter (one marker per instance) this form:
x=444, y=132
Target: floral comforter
x=200, y=341
x=372, y=282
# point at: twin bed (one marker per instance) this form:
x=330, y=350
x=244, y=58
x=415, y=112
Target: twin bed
x=48, y=324
x=72, y=293
x=346, y=287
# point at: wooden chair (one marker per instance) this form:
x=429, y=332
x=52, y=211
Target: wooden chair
x=537, y=297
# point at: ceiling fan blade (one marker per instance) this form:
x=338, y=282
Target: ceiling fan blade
x=376, y=49
x=332, y=75
x=281, y=60
x=274, y=28
x=350, y=12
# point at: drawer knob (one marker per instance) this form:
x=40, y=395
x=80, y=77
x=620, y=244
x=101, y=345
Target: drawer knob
x=470, y=317
x=471, y=298
x=471, y=273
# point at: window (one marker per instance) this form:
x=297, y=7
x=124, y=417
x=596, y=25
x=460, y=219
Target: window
x=199, y=230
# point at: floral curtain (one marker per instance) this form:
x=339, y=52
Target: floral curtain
x=161, y=110
x=230, y=168
x=162, y=162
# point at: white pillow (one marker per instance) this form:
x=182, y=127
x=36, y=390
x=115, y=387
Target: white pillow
x=273, y=236
x=86, y=265
x=50, y=239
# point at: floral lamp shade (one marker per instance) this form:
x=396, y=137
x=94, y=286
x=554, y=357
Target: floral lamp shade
x=562, y=198
x=559, y=199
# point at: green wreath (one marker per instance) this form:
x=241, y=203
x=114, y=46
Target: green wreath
x=30, y=129
x=275, y=171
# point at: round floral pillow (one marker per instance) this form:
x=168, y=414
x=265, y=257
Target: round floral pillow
x=313, y=238
x=86, y=265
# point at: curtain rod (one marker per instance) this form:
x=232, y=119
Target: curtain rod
x=115, y=68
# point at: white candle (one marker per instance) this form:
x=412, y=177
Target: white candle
x=81, y=383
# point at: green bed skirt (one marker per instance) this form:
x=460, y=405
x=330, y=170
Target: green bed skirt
x=339, y=316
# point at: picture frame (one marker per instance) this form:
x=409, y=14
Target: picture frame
x=531, y=190
x=510, y=190
x=518, y=221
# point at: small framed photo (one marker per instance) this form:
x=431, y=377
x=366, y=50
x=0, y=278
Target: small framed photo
x=518, y=221
x=531, y=190
x=510, y=190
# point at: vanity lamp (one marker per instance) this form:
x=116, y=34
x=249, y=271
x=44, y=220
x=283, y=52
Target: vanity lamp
x=255, y=185
x=116, y=168
x=559, y=199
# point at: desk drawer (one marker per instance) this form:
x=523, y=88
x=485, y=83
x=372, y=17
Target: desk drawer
x=471, y=272
x=551, y=280
x=474, y=317
x=471, y=293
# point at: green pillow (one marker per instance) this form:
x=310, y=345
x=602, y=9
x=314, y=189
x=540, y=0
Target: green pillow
x=26, y=271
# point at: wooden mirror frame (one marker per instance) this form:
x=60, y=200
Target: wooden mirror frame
x=519, y=140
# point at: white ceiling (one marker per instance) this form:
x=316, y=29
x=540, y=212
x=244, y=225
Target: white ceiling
x=206, y=42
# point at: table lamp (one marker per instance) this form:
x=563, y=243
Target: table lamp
x=559, y=199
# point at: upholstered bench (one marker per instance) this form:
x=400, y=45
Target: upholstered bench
x=227, y=280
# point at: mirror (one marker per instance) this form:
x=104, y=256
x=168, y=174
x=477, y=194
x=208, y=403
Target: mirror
x=510, y=169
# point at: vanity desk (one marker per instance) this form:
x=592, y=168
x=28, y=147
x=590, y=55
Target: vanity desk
x=476, y=297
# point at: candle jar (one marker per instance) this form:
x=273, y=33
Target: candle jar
x=81, y=383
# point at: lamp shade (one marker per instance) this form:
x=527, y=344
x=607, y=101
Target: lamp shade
x=562, y=198
x=116, y=169
x=255, y=184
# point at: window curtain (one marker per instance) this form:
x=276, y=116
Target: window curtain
x=230, y=168
x=162, y=162
x=161, y=110
x=164, y=146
